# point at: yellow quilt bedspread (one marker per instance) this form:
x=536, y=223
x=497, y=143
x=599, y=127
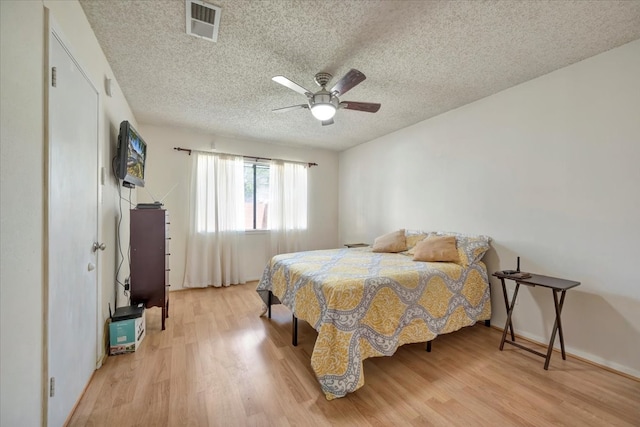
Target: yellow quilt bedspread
x=366, y=304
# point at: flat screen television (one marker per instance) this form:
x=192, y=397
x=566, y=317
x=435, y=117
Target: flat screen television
x=131, y=156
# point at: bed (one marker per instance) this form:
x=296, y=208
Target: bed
x=366, y=304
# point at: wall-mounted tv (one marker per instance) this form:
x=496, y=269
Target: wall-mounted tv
x=131, y=156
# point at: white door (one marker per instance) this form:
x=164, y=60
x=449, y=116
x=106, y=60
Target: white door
x=72, y=230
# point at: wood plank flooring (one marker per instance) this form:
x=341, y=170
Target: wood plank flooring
x=219, y=364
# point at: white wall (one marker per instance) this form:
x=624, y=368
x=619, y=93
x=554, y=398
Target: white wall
x=167, y=167
x=21, y=214
x=550, y=170
x=23, y=196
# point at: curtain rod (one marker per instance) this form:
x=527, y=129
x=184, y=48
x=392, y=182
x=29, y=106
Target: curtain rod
x=189, y=150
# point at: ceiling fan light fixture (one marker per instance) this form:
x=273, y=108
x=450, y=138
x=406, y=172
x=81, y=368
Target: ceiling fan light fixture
x=323, y=111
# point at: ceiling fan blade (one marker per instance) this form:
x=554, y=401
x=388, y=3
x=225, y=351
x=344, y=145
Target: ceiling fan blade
x=348, y=82
x=293, y=107
x=327, y=122
x=291, y=85
x=367, y=107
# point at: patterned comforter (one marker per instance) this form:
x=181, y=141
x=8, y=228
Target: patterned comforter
x=366, y=304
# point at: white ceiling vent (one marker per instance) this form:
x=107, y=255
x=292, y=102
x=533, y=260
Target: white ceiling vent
x=203, y=20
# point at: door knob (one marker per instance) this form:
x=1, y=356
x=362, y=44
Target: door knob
x=100, y=246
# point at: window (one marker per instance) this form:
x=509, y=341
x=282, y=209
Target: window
x=231, y=193
x=256, y=195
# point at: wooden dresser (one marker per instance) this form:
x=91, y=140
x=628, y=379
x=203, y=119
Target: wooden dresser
x=149, y=238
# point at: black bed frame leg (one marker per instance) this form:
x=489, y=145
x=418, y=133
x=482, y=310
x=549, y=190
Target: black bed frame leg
x=294, y=339
x=269, y=304
x=429, y=346
x=487, y=323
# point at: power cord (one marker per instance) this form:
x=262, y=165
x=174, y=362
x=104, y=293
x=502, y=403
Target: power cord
x=124, y=285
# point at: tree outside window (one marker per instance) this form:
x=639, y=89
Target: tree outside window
x=256, y=195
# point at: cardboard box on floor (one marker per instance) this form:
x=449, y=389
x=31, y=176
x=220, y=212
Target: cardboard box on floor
x=126, y=330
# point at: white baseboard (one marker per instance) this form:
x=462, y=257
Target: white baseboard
x=584, y=356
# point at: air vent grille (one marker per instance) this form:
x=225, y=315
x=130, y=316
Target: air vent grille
x=202, y=13
x=203, y=19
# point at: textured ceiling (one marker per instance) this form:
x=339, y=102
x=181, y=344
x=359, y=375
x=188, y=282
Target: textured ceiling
x=421, y=58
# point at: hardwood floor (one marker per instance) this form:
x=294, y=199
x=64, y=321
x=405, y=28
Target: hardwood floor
x=219, y=364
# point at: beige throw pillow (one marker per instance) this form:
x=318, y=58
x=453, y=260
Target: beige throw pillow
x=436, y=249
x=391, y=242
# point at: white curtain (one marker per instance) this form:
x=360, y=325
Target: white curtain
x=216, y=221
x=287, y=216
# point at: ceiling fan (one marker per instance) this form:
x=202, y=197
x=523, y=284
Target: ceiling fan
x=324, y=103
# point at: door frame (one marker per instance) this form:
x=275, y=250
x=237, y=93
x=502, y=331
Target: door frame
x=53, y=29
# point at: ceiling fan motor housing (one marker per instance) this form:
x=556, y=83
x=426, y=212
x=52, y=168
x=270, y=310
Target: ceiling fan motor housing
x=322, y=79
x=323, y=97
